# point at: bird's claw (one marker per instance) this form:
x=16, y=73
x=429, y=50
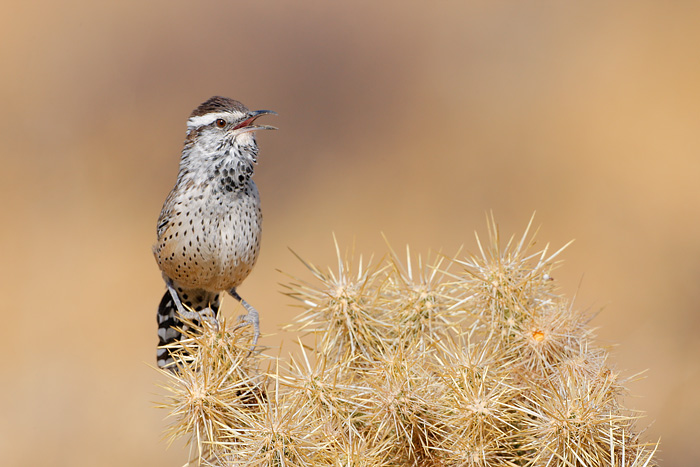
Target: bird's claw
x=207, y=316
x=248, y=320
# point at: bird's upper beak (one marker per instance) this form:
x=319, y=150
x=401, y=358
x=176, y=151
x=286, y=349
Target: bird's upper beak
x=247, y=124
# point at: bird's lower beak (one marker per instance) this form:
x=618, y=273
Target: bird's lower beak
x=247, y=125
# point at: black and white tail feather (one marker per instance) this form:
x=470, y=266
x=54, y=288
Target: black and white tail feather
x=170, y=323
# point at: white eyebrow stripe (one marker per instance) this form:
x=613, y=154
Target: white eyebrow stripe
x=207, y=119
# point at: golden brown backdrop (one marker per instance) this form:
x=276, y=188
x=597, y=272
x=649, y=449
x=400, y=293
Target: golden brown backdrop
x=408, y=118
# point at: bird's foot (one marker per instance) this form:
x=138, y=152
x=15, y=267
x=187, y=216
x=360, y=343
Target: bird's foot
x=204, y=316
x=250, y=319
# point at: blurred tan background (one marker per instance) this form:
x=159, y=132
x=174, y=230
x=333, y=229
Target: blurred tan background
x=403, y=118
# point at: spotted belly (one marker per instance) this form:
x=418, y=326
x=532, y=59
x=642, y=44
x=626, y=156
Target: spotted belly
x=213, y=255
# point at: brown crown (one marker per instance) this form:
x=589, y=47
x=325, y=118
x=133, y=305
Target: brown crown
x=218, y=104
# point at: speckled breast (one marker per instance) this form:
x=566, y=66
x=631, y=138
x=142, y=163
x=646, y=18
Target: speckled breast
x=211, y=241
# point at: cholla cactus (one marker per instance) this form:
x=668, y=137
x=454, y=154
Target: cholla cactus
x=475, y=361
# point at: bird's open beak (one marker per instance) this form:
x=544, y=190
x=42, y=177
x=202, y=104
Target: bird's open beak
x=247, y=124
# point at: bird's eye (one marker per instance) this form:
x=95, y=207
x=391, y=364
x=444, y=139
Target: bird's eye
x=220, y=122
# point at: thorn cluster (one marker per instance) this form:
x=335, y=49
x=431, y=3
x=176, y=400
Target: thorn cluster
x=474, y=361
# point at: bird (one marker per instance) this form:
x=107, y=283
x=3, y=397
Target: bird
x=209, y=229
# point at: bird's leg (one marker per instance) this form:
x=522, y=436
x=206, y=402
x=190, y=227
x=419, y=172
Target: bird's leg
x=206, y=315
x=250, y=318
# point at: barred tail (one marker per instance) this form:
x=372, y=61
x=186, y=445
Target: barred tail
x=167, y=334
x=169, y=320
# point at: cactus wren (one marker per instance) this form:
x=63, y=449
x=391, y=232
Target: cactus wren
x=209, y=227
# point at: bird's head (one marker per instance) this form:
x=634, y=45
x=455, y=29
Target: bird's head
x=221, y=123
